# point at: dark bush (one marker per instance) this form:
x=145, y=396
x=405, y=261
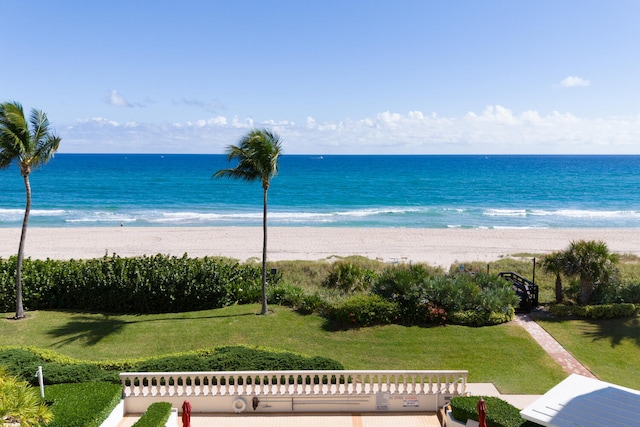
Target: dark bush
x=156, y=415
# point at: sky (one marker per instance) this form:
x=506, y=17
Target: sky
x=329, y=76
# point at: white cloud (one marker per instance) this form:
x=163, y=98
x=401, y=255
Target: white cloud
x=575, y=81
x=214, y=105
x=117, y=100
x=495, y=130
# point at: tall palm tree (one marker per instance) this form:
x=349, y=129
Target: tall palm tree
x=257, y=155
x=592, y=262
x=555, y=263
x=29, y=145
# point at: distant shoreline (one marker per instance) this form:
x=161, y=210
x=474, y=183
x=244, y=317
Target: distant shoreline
x=436, y=246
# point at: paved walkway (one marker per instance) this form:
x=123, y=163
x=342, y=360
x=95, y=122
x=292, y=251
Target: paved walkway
x=307, y=420
x=551, y=346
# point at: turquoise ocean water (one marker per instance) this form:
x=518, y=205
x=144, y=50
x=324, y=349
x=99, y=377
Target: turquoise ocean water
x=340, y=191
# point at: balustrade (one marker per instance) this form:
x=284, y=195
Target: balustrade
x=298, y=387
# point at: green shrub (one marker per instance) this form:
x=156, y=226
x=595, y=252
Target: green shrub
x=82, y=404
x=314, y=303
x=156, y=415
x=425, y=297
x=408, y=288
x=285, y=294
x=499, y=412
x=602, y=311
x=614, y=292
x=349, y=277
x=629, y=292
x=364, y=310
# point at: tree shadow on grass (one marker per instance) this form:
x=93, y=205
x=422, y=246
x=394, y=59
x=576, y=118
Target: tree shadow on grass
x=91, y=329
x=88, y=329
x=615, y=330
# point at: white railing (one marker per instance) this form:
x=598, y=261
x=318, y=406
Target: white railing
x=375, y=389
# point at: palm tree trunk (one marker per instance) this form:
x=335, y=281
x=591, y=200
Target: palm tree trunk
x=586, y=289
x=558, y=289
x=23, y=235
x=265, y=309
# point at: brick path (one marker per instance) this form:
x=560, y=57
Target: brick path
x=551, y=346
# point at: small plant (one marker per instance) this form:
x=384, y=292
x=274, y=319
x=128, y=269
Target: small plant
x=20, y=403
x=349, y=278
x=435, y=314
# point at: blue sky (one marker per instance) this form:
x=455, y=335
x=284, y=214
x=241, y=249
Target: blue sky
x=331, y=77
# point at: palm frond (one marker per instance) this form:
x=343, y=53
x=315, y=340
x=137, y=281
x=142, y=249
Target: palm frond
x=29, y=144
x=257, y=155
x=14, y=132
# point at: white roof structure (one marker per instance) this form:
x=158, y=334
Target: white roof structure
x=580, y=401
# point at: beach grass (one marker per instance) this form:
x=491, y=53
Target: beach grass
x=609, y=348
x=504, y=355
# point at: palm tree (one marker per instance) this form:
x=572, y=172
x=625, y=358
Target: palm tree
x=592, y=262
x=29, y=145
x=257, y=155
x=555, y=263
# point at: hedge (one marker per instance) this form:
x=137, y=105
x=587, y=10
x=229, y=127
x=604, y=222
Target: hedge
x=156, y=415
x=480, y=318
x=499, y=412
x=82, y=404
x=148, y=284
x=56, y=369
x=602, y=311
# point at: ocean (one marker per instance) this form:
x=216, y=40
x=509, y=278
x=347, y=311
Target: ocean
x=423, y=191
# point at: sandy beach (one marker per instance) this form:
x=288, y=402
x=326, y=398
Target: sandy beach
x=441, y=247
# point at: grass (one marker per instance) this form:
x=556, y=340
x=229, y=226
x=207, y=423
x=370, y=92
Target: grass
x=504, y=354
x=608, y=348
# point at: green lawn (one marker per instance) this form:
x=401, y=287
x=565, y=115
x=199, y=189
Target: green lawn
x=504, y=355
x=609, y=348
